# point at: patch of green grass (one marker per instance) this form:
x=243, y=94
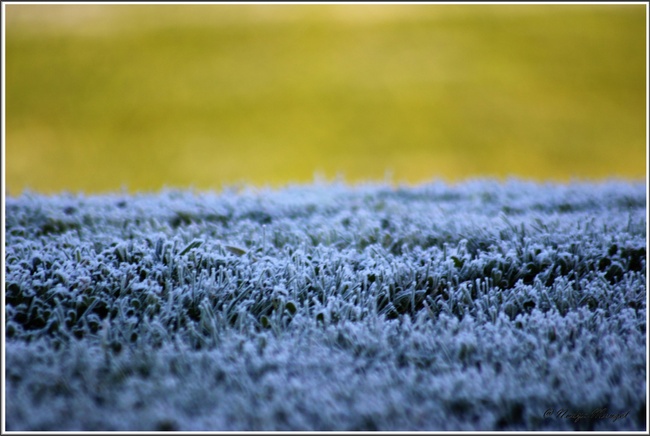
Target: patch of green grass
x=104, y=96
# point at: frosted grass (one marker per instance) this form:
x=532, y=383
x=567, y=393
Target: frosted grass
x=477, y=306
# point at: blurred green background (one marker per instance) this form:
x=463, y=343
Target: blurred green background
x=139, y=97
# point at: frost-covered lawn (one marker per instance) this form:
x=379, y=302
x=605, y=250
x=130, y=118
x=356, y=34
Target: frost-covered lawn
x=477, y=306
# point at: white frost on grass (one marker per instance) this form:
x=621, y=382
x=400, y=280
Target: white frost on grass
x=477, y=306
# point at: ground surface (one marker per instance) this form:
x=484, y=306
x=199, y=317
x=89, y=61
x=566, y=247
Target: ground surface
x=478, y=306
x=146, y=96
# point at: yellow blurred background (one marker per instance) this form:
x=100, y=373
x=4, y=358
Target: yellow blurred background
x=140, y=97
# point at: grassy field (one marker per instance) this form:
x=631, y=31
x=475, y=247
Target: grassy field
x=479, y=306
x=100, y=97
